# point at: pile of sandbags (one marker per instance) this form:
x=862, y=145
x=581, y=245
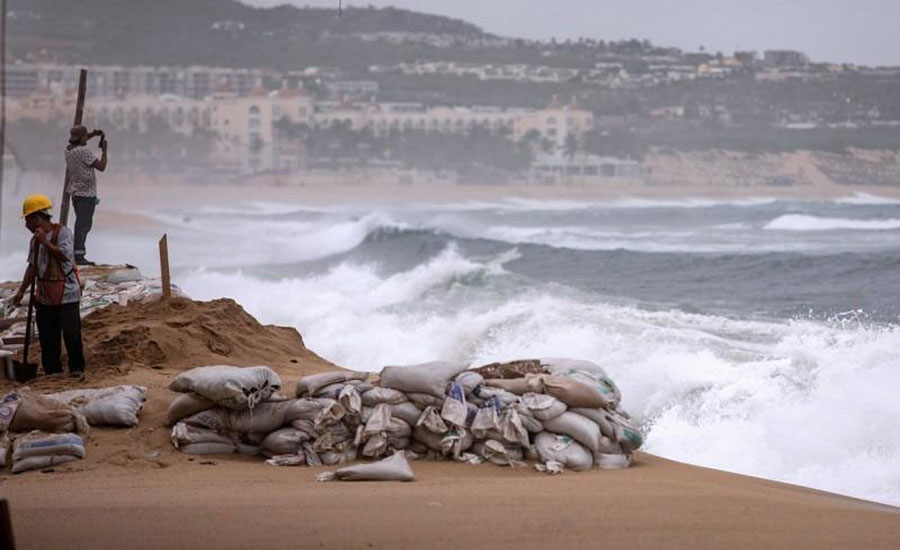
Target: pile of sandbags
x=119, y=285
x=40, y=431
x=560, y=412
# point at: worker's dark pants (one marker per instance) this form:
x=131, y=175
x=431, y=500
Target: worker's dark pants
x=84, y=220
x=51, y=321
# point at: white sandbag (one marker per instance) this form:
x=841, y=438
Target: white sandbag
x=200, y=441
x=532, y=424
x=562, y=366
x=287, y=460
x=407, y=412
x=577, y=427
x=264, y=418
x=506, y=398
x=425, y=400
x=542, y=406
x=231, y=387
x=517, y=386
x=451, y=443
x=331, y=413
x=564, y=450
x=43, y=444
x=627, y=433
x=306, y=426
x=332, y=458
x=116, y=406
x=486, y=419
x=286, y=441
x=376, y=396
x=601, y=417
x=512, y=429
x=469, y=380
x=499, y=453
x=350, y=399
x=454, y=409
x=429, y=378
x=41, y=462
x=379, y=420
x=393, y=468
x=185, y=405
x=609, y=447
x=331, y=391
x=431, y=420
x=612, y=461
x=309, y=385
x=306, y=408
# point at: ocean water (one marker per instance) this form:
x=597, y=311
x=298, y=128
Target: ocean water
x=757, y=336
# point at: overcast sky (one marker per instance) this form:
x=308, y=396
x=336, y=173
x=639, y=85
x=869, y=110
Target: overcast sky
x=855, y=31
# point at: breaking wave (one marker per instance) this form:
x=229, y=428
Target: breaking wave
x=799, y=222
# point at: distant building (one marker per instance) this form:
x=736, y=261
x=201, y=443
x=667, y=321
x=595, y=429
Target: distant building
x=748, y=58
x=785, y=58
x=353, y=89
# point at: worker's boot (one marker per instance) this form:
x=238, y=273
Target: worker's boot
x=81, y=260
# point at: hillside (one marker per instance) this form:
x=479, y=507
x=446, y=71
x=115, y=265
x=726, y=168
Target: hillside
x=216, y=32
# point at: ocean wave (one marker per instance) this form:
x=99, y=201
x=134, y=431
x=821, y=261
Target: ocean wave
x=800, y=222
x=796, y=401
x=867, y=199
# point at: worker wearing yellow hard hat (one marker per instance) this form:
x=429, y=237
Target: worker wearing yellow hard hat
x=56, y=286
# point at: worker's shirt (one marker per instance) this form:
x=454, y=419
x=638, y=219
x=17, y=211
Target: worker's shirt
x=82, y=178
x=66, y=244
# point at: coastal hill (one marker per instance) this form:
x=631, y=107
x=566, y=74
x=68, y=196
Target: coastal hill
x=218, y=32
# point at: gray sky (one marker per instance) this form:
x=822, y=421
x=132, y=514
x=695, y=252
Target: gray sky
x=855, y=31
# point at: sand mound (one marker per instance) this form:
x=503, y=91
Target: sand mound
x=181, y=333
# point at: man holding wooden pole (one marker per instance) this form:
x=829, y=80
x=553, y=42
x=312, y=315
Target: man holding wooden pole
x=81, y=163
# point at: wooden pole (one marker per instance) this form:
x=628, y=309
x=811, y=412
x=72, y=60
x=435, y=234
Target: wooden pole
x=6, y=533
x=2, y=106
x=164, y=266
x=79, y=113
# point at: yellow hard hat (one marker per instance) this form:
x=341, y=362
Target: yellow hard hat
x=35, y=203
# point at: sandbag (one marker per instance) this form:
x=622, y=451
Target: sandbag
x=116, y=406
x=41, y=462
x=516, y=386
x=451, y=443
x=285, y=441
x=230, y=387
x=350, y=399
x=531, y=423
x=486, y=392
x=424, y=400
x=563, y=450
x=407, y=412
x=573, y=393
x=577, y=427
x=499, y=453
x=543, y=407
x=431, y=378
x=200, y=441
x=42, y=444
x=376, y=396
x=587, y=372
x=469, y=380
x=36, y=412
x=309, y=385
x=454, y=409
x=393, y=468
x=627, y=433
x=612, y=461
x=264, y=418
x=487, y=419
x=186, y=404
x=601, y=417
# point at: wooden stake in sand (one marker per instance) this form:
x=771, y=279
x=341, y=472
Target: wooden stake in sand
x=79, y=112
x=164, y=266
